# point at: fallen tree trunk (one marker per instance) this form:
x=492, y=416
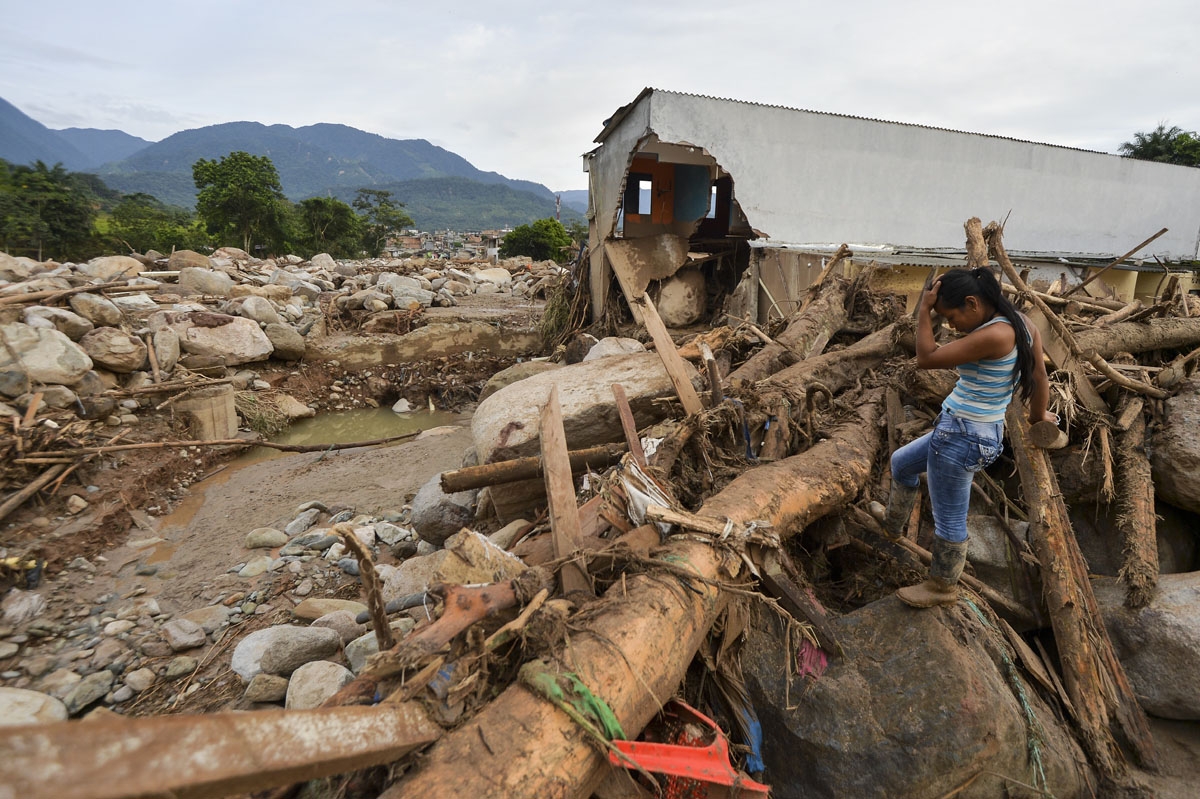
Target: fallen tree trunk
x=1136, y=519
x=1095, y=680
x=634, y=654
x=806, y=334
x=1152, y=334
x=839, y=370
x=527, y=468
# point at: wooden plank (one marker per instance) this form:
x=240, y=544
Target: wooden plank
x=560, y=493
x=628, y=426
x=622, y=266
x=527, y=468
x=1060, y=353
x=208, y=755
x=1095, y=275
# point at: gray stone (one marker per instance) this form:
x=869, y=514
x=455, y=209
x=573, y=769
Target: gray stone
x=114, y=349
x=13, y=384
x=246, y=660
x=266, y=688
x=343, y=622
x=134, y=303
x=316, y=607
x=88, y=691
x=299, y=645
x=1158, y=645
x=437, y=515
x=58, y=397
x=256, y=566
x=260, y=310
x=70, y=324
x=19, y=607
x=286, y=341
x=60, y=682
x=515, y=373
x=925, y=705
x=140, y=679
x=8, y=649
x=210, y=619
x=46, y=356
x=313, y=683
x=183, y=634
x=112, y=267
x=265, y=538
x=204, y=281
x=108, y=652
x=323, y=260
x=613, y=345
x=188, y=259
x=19, y=706
x=402, y=406
x=96, y=309
x=303, y=521
x=166, y=349
x=361, y=648
x=180, y=667
x=231, y=338
x=1175, y=450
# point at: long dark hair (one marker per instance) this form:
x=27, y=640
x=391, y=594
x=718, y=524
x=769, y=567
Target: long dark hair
x=958, y=284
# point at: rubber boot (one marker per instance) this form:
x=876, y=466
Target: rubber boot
x=941, y=587
x=894, y=517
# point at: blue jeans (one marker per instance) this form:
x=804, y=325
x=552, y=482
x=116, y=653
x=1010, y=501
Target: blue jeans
x=951, y=453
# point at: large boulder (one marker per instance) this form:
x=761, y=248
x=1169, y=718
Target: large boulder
x=323, y=260
x=112, y=267
x=291, y=650
x=114, y=349
x=506, y=424
x=1175, y=454
x=166, y=348
x=194, y=280
x=67, y=322
x=682, y=297
x=286, y=341
x=231, y=338
x=514, y=373
x=404, y=290
x=260, y=310
x=19, y=706
x=922, y=702
x=313, y=683
x=188, y=259
x=46, y=356
x=13, y=269
x=1158, y=645
x=98, y=310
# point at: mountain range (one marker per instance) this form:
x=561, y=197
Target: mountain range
x=439, y=188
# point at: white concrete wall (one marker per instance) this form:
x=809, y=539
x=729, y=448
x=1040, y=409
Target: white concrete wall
x=804, y=177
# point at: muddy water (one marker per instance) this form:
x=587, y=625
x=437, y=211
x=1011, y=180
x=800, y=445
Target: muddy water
x=342, y=427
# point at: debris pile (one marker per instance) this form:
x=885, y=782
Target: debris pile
x=688, y=523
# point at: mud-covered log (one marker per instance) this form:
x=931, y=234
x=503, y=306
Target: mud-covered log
x=634, y=654
x=806, y=334
x=1095, y=679
x=840, y=370
x=510, y=471
x=1151, y=334
x=1136, y=519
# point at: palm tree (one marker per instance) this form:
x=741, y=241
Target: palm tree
x=1172, y=145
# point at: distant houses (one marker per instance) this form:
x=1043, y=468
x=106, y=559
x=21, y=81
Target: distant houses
x=473, y=246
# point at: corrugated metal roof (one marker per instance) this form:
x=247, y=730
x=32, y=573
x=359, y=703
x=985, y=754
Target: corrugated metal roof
x=622, y=112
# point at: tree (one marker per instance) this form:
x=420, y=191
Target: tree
x=382, y=218
x=141, y=222
x=44, y=211
x=329, y=225
x=241, y=200
x=1172, y=145
x=543, y=240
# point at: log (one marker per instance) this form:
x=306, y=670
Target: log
x=1136, y=519
x=1123, y=381
x=713, y=371
x=976, y=248
x=1152, y=334
x=205, y=755
x=806, y=335
x=1095, y=275
x=50, y=295
x=628, y=426
x=634, y=654
x=16, y=500
x=527, y=468
x=1095, y=679
x=227, y=442
x=839, y=370
x=560, y=494
x=1048, y=435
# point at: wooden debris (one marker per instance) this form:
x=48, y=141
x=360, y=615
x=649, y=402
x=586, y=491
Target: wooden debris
x=1048, y=435
x=628, y=426
x=1136, y=518
x=530, y=467
x=1094, y=275
x=560, y=494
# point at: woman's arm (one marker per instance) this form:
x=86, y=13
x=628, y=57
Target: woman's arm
x=1039, y=400
x=993, y=341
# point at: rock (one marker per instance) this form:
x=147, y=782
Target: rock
x=912, y=714
x=391, y=534
x=272, y=292
x=98, y=310
x=87, y=691
x=70, y=324
x=361, y=648
x=246, y=660
x=324, y=261
x=134, y=303
x=210, y=619
x=468, y=558
x=682, y=297
x=180, y=667
x=506, y=424
x=614, y=345
x=166, y=349
x=497, y=276
x=183, y=634
x=140, y=679
x=58, y=397
x=260, y=310
x=12, y=384
x=987, y=550
x=266, y=688
x=114, y=349
x=60, y=682
x=292, y=408
x=112, y=267
x=233, y=339
x=299, y=645
x=119, y=626
x=19, y=706
x=343, y=622
x=514, y=373
x=503, y=537
x=437, y=515
x=1158, y=644
x=287, y=344
x=313, y=683
x=108, y=652
x=579, y=346
x=256, y=566
x=8, y=649
x=265, y=538
x=316, y=607
x=188, y=259
x=204, y=281
x=14, y=270
x=1175, y=450
x=402, y=406
x=404, y=290
x=46, y=356
x=302, y=522
x=19, y=607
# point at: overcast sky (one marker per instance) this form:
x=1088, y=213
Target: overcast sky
x=522, y=88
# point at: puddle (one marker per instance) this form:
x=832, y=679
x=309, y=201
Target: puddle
x=365, y=424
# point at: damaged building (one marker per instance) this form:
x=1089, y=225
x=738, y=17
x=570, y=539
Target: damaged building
x=735, y=206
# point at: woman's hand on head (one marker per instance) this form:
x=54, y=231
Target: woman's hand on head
x=929, y=297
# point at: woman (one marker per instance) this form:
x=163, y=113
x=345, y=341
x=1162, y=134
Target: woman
x=998, y=352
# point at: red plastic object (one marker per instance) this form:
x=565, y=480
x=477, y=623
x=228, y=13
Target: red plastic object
x=707, y=764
